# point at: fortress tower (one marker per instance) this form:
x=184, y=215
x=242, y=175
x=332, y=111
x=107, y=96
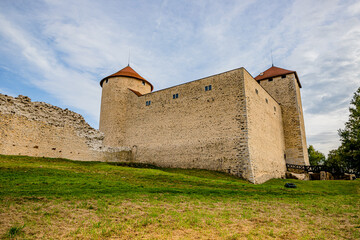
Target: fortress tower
x=113, y=113
x=284, y=86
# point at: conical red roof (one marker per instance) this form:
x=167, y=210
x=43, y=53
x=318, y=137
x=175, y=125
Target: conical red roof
x=275, y=72
x=126, y=72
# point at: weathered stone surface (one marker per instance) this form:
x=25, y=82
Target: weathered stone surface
x=40, y=129
x=286, y=91
x=299, y=176
x=230, y=128
x=52, y=116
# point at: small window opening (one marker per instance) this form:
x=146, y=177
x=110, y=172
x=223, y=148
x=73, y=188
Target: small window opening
x=275, y=109
x=143, y=83
x=266, y=100
x=270, y=79
x=175, y=95
x=257, y=92
x=283, y=76
x=107, y=80
x=208, y=88
x=148, y=103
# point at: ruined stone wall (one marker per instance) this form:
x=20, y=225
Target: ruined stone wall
x=265, y=133
x=40, y=129
x=199, y=129
x=286, y=91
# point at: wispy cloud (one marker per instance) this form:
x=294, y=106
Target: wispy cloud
x=64, y=48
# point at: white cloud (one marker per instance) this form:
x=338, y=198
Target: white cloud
x=70, y=46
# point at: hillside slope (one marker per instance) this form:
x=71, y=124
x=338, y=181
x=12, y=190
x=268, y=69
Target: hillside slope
x=57, y=198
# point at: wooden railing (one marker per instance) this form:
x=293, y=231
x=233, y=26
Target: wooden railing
x=318, y=169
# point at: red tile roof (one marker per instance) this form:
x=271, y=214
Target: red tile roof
x=275, y=72
x=126, y=72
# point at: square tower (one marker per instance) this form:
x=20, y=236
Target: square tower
x=284, y=86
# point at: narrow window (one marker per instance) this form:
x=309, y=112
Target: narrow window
x=270, y=79
x=266, y=100
x=209, y=87
x=257, y=92
x=107, y=80
x=175, y=95
x=283, y=76
x=206, y=88
x=275, y=109
x=148, y=103
x=143, y=83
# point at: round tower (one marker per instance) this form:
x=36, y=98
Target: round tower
x=114, y=103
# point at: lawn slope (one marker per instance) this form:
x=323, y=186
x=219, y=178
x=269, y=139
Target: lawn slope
x=44, y=198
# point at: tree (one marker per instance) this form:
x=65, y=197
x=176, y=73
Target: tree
x=335, y=163
x=315, y=157
x=349, y=150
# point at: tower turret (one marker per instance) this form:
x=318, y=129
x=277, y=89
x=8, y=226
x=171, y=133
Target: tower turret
x=114, y=105
x=284, y=86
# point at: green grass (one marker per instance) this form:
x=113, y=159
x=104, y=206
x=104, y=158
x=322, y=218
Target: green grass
x=58, y=198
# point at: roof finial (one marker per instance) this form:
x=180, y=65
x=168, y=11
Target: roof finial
x=129, y=58
x=272, y=60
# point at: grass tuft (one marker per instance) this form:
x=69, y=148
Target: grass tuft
x=15, y=230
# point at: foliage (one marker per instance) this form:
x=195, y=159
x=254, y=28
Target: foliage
x=350, y=135
x=315, y=157
x=335, y=162
x=348, y=154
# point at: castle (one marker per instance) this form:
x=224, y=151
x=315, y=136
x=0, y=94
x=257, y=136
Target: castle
x=230, y=122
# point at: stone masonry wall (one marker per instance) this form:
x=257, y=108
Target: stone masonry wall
x=199, y=129
x=286, y=91
x=40, y=129
x=266, y=134
x=114, y=107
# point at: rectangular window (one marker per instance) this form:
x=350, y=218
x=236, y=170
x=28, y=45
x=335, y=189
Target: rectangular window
x=175, y=95
x=208, y=88
x=148, y=103
x=270, y=79
x=283, y=76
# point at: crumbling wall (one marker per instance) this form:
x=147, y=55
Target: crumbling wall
x=41, y=129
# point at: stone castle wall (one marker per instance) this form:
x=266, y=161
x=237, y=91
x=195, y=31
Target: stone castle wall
x=40, y=129
x=114, y=107
x=236, y=127
x=208, y=129
x=286, y=91
x=265, y=132
x=199, y=129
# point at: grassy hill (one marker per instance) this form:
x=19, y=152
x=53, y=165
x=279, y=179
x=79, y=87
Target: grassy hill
x=42, y=198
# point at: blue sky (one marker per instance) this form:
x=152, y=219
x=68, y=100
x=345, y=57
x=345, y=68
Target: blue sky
x=57, y=51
